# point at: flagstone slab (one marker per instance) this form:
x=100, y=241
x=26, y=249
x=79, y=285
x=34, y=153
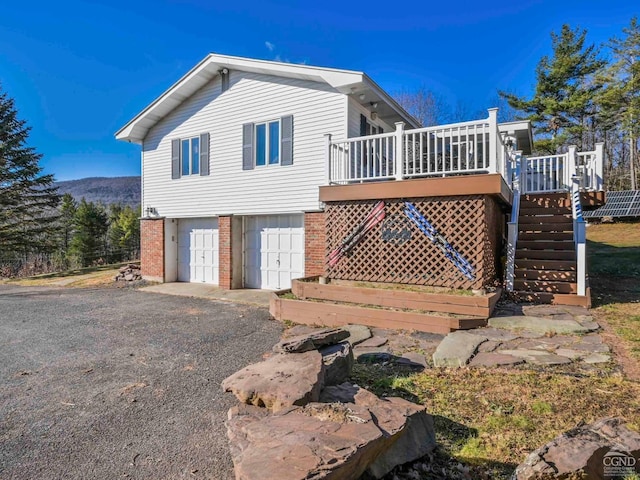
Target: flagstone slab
x=494, y=359
x=538, y=357
x=537, y=325
x=456, y=349
x=597, y=358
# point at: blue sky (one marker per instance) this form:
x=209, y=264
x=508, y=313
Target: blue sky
x=80, y=70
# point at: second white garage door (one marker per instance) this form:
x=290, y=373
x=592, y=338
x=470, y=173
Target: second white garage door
x=274, y=250
x=198, y=250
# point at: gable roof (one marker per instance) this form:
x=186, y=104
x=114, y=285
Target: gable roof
x=358, y=84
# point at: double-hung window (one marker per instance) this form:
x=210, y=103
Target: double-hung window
x=267, y=143
x=190, y=156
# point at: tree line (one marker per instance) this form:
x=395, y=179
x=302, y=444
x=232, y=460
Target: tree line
x=40, y=230
x=584, y=94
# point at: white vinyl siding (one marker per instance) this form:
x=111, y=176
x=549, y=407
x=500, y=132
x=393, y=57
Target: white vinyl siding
x=316, y=108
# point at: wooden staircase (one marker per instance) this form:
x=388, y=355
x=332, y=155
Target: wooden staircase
x=545, y=260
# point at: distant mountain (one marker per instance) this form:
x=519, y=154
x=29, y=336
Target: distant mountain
x=106, y=190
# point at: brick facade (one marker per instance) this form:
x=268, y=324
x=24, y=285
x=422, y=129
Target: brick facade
x=314, y=243
x=225, y=271
x=152, y=248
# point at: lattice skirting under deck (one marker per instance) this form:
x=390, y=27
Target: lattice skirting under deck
x=396, y=251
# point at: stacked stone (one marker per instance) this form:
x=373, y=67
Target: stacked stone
x=129, y=273
x=301, y=418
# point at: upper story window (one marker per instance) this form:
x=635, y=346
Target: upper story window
x=267, y=143
x=190, y=156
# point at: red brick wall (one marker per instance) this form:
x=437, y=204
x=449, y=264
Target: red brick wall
x=225, y=253
x=152, y=248
x=314, y=243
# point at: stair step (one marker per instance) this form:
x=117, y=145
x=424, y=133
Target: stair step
x=562, y=245
x=553, y=236
x=545, y=219
x=534, y=211
x=545, y=254
x=545, y=286
x=546, y=227
x=547, y=275
x=529, y=264
x=554, y=298
x=546, y=200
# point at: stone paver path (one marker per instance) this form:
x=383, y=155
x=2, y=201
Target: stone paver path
x=540, y=335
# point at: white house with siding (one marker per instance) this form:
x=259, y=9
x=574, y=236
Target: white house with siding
x=233, y=155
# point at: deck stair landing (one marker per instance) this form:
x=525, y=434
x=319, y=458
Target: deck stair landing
x=545, y=263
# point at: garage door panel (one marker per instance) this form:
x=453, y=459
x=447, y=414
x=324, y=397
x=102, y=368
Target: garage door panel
x=277, y=241
x=198, y=250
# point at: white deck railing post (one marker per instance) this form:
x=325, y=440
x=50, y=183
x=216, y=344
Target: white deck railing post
x=571, y=167
x=493, y=140
x=512, y=226
x=399, y=151
x=579, y=237
x=599, y=167
x=327, y=156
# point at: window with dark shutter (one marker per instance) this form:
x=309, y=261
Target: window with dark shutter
x=175, y=158
x=286, y=153
x=247, y=146
x=204, y=154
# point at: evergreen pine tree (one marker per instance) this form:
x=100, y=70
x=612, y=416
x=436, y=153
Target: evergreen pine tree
x=563, y=101
x=27, y=197
x=68, y=209
x=620, y=100
x=91, y=222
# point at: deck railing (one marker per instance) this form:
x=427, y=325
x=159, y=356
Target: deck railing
x=362, y=158
x=454, y=149
x=555, y=173
x=447, y=150
x=458, y=149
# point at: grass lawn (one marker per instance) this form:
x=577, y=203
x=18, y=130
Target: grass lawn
x=82, y=277
x=614, y=270
x=487, y=421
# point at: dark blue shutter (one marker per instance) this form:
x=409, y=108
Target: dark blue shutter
x=247, y=146
x=175, y=158
x=204, y=154
x=286, y=145
x=363, y=125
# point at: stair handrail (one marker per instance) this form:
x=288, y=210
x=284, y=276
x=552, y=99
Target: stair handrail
x=579, y=236
x=512, y=225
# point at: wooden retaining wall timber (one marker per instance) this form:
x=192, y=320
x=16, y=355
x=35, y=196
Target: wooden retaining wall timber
x=332, y=315
x=476, y=305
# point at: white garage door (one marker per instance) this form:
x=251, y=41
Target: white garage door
x=274, y=250
x=198, y=250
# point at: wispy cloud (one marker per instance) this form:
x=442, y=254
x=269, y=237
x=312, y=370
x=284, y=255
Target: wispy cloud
x=270, y=46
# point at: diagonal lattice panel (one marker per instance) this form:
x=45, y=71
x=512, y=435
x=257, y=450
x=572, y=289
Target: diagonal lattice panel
x=397, y=251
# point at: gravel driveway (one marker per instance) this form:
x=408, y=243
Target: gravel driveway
x=109, y=383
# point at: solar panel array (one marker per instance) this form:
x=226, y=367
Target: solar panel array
x=619, y=204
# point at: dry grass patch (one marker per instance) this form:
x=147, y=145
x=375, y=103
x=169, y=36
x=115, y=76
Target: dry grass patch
x=491, y=419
